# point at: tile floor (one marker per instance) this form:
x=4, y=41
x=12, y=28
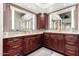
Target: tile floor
x=44, y=52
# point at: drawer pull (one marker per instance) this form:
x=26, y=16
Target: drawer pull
x=71, y=43
x=72, y=52
x=10, y=41
x=69, y=47
x=16, y=39
x=16, y=46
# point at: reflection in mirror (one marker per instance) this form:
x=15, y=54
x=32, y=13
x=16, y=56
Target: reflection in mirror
x=21, y=21
x=66, y=20
x=55, y=22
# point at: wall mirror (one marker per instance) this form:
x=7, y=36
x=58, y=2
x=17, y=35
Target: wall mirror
x=66, y=20
x=22, y=20
x=63, y=20
x=55, y=22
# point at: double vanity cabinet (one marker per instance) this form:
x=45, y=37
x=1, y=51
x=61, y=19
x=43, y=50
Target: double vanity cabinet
x=54, y=41
x=65, y=43
x=21, y=45
x=18, y=19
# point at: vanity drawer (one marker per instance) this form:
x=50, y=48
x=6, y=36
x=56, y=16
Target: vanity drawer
x=70, y=47
x=16, y=51
x=71, y=43
x=71, y=50
x=72, y=38
x=14, y=44
x=70, y=53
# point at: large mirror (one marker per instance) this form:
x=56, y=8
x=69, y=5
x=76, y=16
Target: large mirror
x=66, y=20
x=22, y=20
x=55, y=22
x=63, y=20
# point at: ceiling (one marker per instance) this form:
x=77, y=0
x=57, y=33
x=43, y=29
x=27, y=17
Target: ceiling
x=44, y=7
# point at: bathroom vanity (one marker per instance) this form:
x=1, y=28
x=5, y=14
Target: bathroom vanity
x=25, y=32
x=65, y=43
x=21, y=44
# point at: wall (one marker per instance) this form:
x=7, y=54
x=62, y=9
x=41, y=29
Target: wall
x=78, y=15
x=1, y=28
x=7, y=17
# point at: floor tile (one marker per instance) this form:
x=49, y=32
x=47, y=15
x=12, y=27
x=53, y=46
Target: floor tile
x=44, y=52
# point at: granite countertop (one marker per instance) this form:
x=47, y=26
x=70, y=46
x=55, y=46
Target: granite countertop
x=66, y=32
x=15, y=34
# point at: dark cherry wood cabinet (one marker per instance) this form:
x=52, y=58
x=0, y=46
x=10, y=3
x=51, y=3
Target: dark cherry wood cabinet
x=60, y=43
x=12, y=46
x=54, y=41
x=21, y=45
x=31, y=43
x=57, y=42
x=47, y=40
x=67, y=44
x=42, y=21
x=26, y=45
x=71, y=45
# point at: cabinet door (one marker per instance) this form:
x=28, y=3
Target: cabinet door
x=48, y=43
x=54, y=44
x=57, y=42
x=42, y=21
x=12, y=46
x=35, y=42
x=5, y=47
x=31, y=43
x=47, y=40
x=38, y=41
x=54, y=41
x=61, y=44
x=26, y=45
x=39, y=24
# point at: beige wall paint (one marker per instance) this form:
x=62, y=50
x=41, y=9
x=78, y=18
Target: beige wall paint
x=1, y=29
x=78, y=15
x=7, y=17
